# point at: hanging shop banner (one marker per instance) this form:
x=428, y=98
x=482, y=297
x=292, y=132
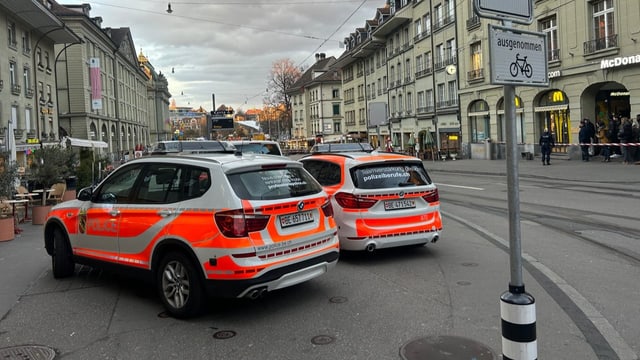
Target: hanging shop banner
x=96, y=83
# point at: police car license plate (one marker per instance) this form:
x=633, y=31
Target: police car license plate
x=399, y=204
x=296, y=219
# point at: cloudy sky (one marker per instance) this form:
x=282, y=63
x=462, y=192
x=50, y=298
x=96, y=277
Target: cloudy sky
x=227, y=47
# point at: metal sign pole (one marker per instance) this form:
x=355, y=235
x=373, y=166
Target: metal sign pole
x=517, y=308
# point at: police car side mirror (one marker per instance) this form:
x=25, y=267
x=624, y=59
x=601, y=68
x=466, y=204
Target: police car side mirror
x=85, y=194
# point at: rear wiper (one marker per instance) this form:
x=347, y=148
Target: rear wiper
x=403, y=184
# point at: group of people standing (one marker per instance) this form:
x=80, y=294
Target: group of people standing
x=619, y=131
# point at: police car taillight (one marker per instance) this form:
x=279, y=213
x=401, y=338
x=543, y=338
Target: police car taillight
x=350, y=201
x=431, y=196
x=236, y=223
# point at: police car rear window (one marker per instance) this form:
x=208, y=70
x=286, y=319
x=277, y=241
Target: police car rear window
x=274, y=184
x=385, y=176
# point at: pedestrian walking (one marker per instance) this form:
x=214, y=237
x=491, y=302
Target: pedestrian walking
x=546, y=143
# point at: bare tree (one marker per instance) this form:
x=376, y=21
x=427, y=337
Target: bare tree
x=282, y=77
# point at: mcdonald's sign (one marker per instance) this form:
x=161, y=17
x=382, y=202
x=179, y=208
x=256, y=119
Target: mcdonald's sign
x=557, y=96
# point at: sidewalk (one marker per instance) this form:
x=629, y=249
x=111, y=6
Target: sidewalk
x=561, y=168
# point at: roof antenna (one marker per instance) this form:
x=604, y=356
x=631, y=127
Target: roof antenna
x=169, y=11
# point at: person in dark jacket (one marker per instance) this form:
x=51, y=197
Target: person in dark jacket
x=626, y=135
x=546, y=143
x=584, y=137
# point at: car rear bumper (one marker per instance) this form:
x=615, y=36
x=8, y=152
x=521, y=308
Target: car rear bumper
x=274, y=279
x=381, y=242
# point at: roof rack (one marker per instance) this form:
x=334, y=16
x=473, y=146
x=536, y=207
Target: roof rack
x=341, y=147
x=192, y=147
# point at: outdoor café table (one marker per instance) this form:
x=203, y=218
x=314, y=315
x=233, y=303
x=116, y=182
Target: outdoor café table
x=40, y=191
x=13, y=211
x=24, y=196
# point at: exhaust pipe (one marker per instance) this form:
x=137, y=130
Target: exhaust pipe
x=435, y=238
x=256, y=293
x=370, y=247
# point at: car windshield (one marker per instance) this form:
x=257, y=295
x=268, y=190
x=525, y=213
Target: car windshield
x=279, y=183
x=381, y=176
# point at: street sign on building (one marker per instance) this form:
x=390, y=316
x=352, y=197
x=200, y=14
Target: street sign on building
x=519, y=11
x=517, y=57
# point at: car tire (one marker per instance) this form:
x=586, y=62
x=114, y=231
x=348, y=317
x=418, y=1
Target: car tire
x=180, y=286
x=61, y=259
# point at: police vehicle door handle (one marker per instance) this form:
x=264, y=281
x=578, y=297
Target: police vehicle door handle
x=165, y=213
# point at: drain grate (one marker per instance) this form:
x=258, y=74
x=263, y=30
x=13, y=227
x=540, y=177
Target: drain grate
x=445, y=348
x=224, y=334
x=322, y=340
x=27, y=352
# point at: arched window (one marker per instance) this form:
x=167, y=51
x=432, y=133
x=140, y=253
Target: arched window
x=478, y=114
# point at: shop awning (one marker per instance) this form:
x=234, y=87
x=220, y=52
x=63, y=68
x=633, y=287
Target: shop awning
x=86, y=143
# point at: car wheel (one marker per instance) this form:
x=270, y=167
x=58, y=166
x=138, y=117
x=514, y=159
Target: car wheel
x=180, y=286
x=61, y=259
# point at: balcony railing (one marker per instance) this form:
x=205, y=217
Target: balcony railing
x=608, y=42
x=476, y=74
x=473, y=22
x=15, y=89
x=447, y=103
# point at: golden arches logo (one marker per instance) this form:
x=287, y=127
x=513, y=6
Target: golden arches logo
x=557, y=96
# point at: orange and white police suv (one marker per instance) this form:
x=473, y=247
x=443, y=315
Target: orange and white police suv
x=225, y=225
x=380, y=199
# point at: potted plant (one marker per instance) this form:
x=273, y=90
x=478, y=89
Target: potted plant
x=48, y=165
x=8, y=175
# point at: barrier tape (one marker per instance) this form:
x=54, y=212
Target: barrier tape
x=604, y=144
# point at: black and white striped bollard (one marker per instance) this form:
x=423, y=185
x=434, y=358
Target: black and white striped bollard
x=518, y=314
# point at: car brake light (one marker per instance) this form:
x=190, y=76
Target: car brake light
x=350, y=201
x=236, y=223
x=431, y=196
x=327, y=209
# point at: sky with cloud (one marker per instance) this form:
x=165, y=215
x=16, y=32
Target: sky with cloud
x=227, y=47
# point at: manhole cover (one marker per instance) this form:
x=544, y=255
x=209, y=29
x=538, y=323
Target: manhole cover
x=27, y=352
x=224, y=334
x=338, y=300
x=322, y=340
x=445, y=348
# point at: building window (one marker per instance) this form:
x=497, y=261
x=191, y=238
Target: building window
x=604, y=35
x=11, y=35
x=418, y=27
x=476, y=62
x=479, y=121
x=452, y=93
x=440, y=94
x=549, y=27
x=26, y=77
x=26, y=43
x=12, y=74
x=336, y=93
x=336, y=109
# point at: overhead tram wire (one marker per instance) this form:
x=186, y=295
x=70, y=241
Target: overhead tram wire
x=173, y=14
x=334, y=32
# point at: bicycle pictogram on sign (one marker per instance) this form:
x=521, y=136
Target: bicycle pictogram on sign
x=522, y=66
